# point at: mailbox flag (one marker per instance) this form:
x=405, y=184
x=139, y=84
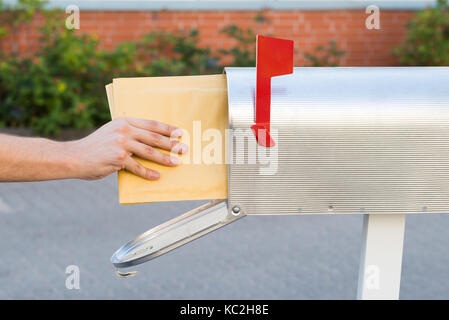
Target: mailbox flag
x=274, y=58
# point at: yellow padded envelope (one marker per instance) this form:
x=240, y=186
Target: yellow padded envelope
x=179, y=101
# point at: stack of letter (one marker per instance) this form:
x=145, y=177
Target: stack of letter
x=196, y=104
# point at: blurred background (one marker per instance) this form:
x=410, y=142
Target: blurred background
x=52, y=84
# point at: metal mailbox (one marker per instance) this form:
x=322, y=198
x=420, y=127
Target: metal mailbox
x=349, y=140
x=372, y=141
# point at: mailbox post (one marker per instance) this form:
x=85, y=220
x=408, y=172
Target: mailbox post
x=381, y=257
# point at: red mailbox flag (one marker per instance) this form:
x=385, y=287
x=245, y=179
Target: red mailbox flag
x=274, y=58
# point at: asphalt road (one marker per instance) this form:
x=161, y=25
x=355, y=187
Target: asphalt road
x=47, y=226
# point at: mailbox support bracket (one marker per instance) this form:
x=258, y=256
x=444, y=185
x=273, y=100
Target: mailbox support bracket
x=381, y=258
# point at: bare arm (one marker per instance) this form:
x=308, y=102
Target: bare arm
x=105, y=151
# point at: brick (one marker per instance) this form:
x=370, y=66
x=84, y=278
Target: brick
x=307, y=28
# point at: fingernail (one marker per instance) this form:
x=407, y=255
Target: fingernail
x=174, y=160
x=154, y=175
x=182, y=148
x=176, y=133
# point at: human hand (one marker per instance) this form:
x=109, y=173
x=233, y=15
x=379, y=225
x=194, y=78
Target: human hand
x=110, y=148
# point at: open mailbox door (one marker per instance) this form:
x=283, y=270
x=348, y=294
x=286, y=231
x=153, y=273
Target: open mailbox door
x=372, y=141
x=174, y=233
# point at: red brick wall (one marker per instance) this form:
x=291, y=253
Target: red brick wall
x=307, y=28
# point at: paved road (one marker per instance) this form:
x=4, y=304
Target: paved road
x=46, y=226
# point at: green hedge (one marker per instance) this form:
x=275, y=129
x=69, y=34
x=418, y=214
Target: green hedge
x=427, y=42
x=62, y=85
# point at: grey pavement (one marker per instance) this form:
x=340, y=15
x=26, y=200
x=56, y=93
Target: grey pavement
x=47, y=226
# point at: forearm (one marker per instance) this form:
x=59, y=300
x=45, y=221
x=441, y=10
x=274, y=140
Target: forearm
x=32, y=159
x=107, y=150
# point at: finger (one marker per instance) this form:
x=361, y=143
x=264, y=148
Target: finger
x=157, y=140
x=135, y=167
x=149, y=153
x=156, y=126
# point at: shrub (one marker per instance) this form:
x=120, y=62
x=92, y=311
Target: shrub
x=324, y=56
x=13, y=15
x=427, y=42
x=62, y=84
x=243, y=54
